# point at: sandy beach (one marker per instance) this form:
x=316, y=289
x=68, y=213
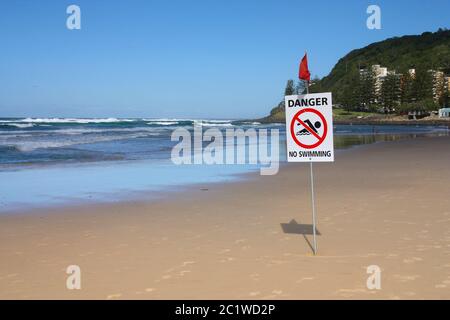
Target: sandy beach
x=386, y=204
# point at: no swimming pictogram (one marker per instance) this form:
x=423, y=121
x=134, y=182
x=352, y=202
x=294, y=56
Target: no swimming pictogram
x=309, y=128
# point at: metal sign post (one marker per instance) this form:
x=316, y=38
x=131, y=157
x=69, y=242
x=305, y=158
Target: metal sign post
x=309, y=136
x=313, y=208
x=313, y=205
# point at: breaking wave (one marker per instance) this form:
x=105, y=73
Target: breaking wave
x=74, y=120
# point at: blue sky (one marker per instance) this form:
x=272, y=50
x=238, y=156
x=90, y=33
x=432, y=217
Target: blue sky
x=202, y=59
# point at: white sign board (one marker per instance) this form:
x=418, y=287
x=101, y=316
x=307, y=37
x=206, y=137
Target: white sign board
x=309, y=127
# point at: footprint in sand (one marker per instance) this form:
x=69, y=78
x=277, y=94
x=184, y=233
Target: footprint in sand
x=443, y=284
x=254, y=293
x=17, y=281
x=304, y=279
x=90, y=253
x=406, y=278
x=275, y=294
x=180, y=272
x=347, y=293
x=227, y=259
x=412, y=260
x=255, y=276
x=275, y=263
x=166, y=277
x=114, y=296
x=351, y=290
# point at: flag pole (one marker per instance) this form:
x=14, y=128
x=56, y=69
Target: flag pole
x=312, y=193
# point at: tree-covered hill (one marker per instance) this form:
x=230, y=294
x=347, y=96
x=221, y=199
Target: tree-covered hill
x=426, y=51
x=430, y=50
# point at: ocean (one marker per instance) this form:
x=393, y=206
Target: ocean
x=52, y=161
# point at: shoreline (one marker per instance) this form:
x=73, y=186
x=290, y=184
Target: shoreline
x=154, y=195
x=396, y=122
x=228, y=242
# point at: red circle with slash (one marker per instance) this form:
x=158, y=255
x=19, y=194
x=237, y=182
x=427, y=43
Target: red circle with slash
x=296, y=119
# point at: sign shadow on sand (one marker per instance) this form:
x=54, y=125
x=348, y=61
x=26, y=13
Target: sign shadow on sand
x=293, y=227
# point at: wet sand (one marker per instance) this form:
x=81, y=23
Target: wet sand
x=386, y=204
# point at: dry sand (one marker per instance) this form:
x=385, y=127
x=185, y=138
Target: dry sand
x=386, y=204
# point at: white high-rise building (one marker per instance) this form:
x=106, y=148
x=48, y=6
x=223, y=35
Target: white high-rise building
x=438, y=84
x=380, y=73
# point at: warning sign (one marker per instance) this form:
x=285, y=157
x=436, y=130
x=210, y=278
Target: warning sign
x=309, y=128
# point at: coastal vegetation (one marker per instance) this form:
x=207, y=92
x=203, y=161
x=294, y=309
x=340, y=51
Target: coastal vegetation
x=394, y=77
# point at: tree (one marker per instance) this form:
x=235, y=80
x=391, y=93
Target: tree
x=406, y=88
x=359, y=92
x=289, y=90
x=443, y=99
x=429, y=104
x=423, y=85
x=300, y=87
x=446, y=96
x=430, y=50
x=349, y=97
x=410, y=107
x=390, y=92
x=366, y=89
x=316, y=85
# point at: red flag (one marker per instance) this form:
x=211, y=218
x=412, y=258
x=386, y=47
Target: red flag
x=303, y=72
